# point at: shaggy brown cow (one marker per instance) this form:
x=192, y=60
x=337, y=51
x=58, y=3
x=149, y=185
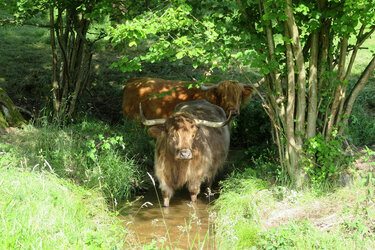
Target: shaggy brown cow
x=159, y=96
x=191, y=146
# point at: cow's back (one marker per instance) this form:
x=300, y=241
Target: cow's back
x=203, y=110
x=158, y=96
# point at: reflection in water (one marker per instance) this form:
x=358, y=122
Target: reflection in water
x=181, y=225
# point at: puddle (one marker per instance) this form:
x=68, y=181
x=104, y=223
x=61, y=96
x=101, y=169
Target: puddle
x=182, y=225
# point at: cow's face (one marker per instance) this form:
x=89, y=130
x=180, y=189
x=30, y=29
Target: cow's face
x=180, y=132
x=230, y=95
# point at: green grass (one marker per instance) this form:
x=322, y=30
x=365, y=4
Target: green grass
x=25, y=64
x=90, y=153
x=254, y=214
x=238, y=209
x=40, y=210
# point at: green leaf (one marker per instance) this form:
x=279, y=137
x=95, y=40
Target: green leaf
x=132, y=43
x=180, y=54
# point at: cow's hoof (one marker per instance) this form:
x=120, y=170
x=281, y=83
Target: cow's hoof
x=193, y=198
x=166, y=202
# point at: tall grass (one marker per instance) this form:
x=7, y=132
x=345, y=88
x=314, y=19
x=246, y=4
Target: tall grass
x=91, y=153
x=40, y=210
x=238, y=207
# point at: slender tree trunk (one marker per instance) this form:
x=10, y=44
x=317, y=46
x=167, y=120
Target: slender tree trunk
x=298, y=175
x=348, y=107
x=291, y=153
x=55, y=82
x=339, y=93
x=312, y=113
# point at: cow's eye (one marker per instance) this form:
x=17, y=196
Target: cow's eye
x=193, y=135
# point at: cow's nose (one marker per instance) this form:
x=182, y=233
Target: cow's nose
x=185, y=154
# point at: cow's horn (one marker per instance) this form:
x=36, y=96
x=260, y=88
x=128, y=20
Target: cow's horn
x=149, y=122
x=214, y=124
x=204, y=87
x=255, y=85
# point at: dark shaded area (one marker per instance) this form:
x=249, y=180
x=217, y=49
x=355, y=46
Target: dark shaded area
x=25, y=68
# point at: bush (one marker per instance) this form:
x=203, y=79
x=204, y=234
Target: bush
x=324, y=160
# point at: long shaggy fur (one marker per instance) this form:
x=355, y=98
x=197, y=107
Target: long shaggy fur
x=209, y=148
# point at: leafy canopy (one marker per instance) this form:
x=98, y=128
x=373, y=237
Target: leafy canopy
x=230, y=33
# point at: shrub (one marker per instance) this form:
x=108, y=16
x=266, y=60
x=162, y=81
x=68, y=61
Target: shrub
x=116, y=174
x=325, y=160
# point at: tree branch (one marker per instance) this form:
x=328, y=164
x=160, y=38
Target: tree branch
x=355, y=50
x=355, y=92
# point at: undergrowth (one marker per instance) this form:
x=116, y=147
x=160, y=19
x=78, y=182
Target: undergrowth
x=91, y=153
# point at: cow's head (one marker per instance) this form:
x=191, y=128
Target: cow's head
x=231, y=95
x=180, y=131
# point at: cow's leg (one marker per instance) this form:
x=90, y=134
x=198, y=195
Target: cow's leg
x=167, y=193
x=194, y=188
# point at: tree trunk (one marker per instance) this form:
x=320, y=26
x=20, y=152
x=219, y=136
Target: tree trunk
x=312, y=112
x=55, y=81
x=75, y=60
x=9, y=115
x=297, y=174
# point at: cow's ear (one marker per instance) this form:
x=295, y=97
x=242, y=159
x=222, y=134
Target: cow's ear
x=156, y=131
x=246, y=95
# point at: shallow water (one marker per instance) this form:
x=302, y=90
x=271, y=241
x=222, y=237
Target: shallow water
x=181, y=225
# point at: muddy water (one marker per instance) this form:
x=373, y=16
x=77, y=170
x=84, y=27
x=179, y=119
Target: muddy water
x=181, y=225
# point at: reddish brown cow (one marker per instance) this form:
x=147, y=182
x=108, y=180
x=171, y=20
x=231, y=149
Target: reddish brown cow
x=159, y=96
x=191, y=146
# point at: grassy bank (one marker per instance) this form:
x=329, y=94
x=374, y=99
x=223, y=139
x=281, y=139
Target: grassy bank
x=40, y=210
x=252, y=213
x=58, y=184
x=90, y=153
